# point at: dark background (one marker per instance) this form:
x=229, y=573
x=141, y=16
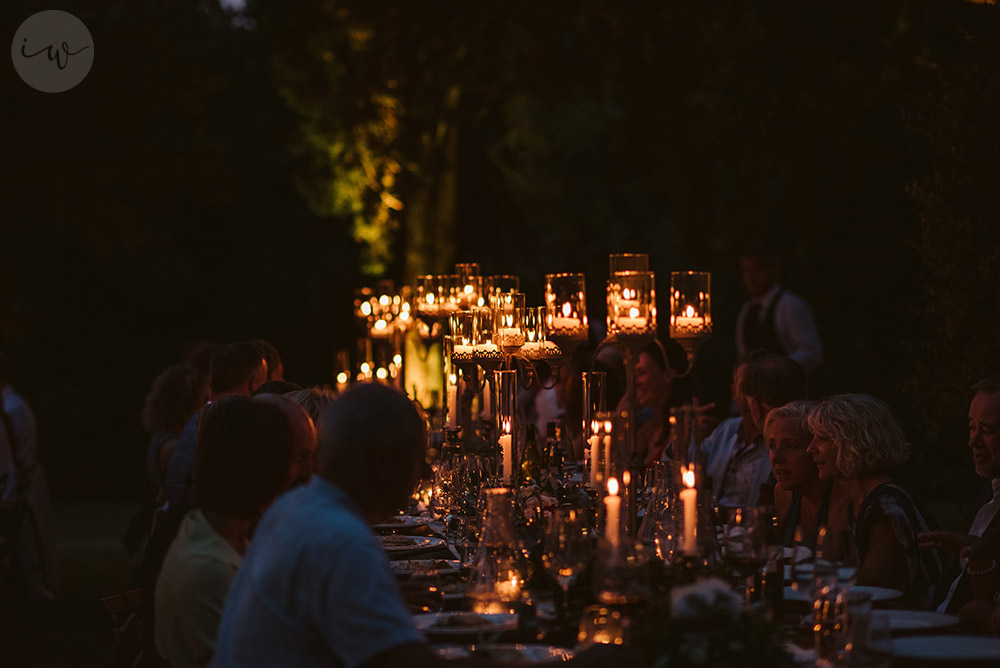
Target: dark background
x=231, y=175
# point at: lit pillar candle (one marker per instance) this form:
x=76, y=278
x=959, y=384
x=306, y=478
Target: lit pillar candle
x=452, y=403
x=613, y=505
x=595, y=443
x=507, y=450
x=689, y=497
x=565, y=323
x=607, y=450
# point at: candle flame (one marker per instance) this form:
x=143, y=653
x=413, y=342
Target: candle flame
x=468, y=289
x=689, y=311
x=366, y=308
x=607, y=426
x=626, y=478
x=613, y=486
x=380, y=324
x=505, y=427
x=384, y=300
x=342, y=377
x=688, y=476
x=633, y=312
x=567, y=309
x=430, y=297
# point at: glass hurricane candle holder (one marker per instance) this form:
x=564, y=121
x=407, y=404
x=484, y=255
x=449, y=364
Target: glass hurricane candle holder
x=632, y=304
x=536, y=340
x=690, y=310
x=508, y=321
x=566, y=306
x=627, y=262
x=499, y=285
x=690, y=304
x=469, y=284
x=463, y=335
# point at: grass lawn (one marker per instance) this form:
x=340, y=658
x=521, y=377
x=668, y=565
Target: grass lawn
x=93, y=563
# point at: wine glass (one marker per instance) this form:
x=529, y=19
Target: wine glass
x=835, y=568
x=746, y=545
x=564, y=549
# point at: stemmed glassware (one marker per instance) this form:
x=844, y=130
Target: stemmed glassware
x=564, y=549
x=746, y=546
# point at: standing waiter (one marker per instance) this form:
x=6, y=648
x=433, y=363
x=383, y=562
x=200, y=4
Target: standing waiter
x=774, y=319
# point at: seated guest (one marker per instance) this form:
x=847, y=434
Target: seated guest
x=954, y=589
x=802, y=501
x=277, y=387
x=735, y=457
x=315, y=588
x=303, y=428
x=177, y=394
x=243, y=462
x=857, y=441
x=275, y=367
x=315, y=401
x=237, y=368
x=658, y=389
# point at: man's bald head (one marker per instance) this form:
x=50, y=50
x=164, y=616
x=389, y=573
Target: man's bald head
x=304, y=433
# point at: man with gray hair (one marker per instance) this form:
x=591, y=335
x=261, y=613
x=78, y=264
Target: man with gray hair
x=955, y=588
x=315, y=587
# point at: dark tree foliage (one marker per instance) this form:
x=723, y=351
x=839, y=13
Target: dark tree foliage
x=685, y=130
x=232, y=175
x=150, y=206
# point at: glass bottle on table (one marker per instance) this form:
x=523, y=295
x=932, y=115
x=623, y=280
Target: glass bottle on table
x=531, y=464
x=770, y=583
x=498, y=570
x=554, y=448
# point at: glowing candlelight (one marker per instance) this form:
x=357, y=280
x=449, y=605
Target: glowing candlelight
x=613, y=504
x=507, y=450
x=607, y=449
x=452, y=402
x=689, y=496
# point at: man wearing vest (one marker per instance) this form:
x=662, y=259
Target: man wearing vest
x=774, y=319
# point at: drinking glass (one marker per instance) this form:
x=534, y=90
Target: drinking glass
x=746, y=547
x=834, y=572
x=564, y=550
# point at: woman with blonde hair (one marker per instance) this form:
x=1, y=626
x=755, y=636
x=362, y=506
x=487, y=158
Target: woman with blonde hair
x=857, y=441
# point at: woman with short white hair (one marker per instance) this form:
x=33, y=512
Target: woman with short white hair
x=857, y=441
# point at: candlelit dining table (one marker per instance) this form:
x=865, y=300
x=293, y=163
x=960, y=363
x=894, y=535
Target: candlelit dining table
x=537, y=628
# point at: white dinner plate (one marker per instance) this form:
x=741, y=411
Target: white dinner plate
x=401, y=522
x=948, y=648
x=878, y=593
x=916, y=620
x=425, y=566
x=396, y=543
x=464, y=623
x=508, y=654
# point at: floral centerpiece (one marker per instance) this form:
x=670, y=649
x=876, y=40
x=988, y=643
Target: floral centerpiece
x=701, y=625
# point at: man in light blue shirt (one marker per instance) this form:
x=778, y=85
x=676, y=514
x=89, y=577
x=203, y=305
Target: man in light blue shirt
x=315, y=588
